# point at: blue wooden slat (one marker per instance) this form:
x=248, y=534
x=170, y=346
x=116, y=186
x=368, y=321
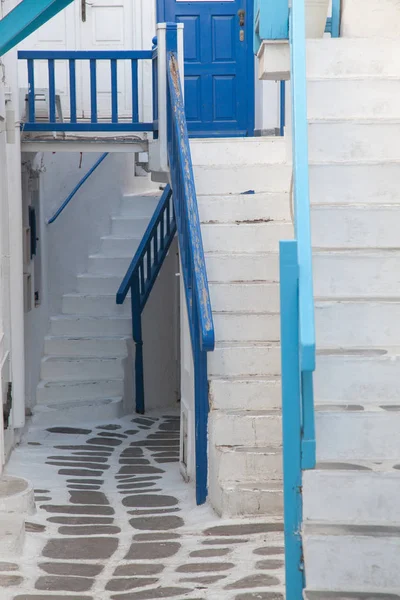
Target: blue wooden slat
x=93, y=91
x=128, y=126
x=114, y=91
x=335, y=21
x=72, y=90
x=52, y=91
x=31, y=91
x=85, y=54
x=135, y=92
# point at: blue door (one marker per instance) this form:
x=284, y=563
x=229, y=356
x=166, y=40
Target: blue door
x=219, y=64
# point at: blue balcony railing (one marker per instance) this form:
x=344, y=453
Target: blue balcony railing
x=76, y=122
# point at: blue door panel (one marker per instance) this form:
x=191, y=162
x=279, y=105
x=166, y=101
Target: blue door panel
x=219, y=64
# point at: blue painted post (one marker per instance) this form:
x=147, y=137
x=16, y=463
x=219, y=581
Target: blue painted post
x=93, y=91
x=291, y=418
x=308, y=451
x=31, y=91
x=72, y=90
x=137, y=338
x=52, y=91
x=135, y=92
x=335, y=23
x=114, y=90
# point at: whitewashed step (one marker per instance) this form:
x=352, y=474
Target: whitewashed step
x=245, y=428
x=78, y=411
x=242, y=359
x=249, y=500
x=54, y=368
x=362, y=434
x=253, y=393
x=245, y=297
x=357, y=323
x=245, y=237
x=235, y=267
x=239, y=178
x=351, y=497
x=238, y=151
x=108, y=265
x=98, y=284
x=94, y=305
x=367, y=98
x=352, y=558
x=12, y=536
x=359, y=376
x=357, y=21
x=356, y=273
x=343, y=595
x=354, y=141
x=238, y=464
x=355, y=183
x=73, y=325
x=119, y=245
x=126, y=223
x=244, y=207
x=53, y=392
x=142, y=205
x=80, y=346
x=356, y=226
x=242, y=327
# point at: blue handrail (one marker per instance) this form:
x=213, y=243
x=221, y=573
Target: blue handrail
x=76, y=188
x=141, y=276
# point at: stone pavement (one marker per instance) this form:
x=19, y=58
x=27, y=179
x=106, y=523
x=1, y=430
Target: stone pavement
x=115, y=521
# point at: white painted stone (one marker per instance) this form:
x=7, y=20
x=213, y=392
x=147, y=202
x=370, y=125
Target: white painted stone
x=246, y=499
x=240, y=464
x=126, y=223
x=12, y=536
x=96, y=305
x=259, y=266
x=245, y=237
x=81, y=369
x=97, y=284
x=237, y=179
x=249, y=394
x=142, y=205
x=16, y=496
x=245, y=297
x=245, y=428
x=258, y=207
x=240, y=360
x=238, y=151
x=79, y=325
x=95, y=346
x=239, y=327
x=371, y=19
x=72, y=412
x=52, y=392
x=108, y=265
x=117, y=245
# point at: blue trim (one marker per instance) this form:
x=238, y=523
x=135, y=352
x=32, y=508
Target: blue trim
x=72, y=91
x=121, y=126
x=282, y=107
x=76, y=188
x=52, y=91
x=114, y=91
x=335, y=21
x=85, y=54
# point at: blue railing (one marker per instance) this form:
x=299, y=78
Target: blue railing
x=141, y=276
x=297, y=320
x=192, y=255
x=76, y=122
x=76, y=189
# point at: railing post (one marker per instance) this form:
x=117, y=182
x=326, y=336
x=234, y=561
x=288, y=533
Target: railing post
x=137, y=338
x=291, y=418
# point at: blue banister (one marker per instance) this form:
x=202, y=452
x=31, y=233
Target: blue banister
x=76, y=188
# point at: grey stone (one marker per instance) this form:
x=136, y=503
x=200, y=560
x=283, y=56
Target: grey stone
x=42, y=491
x=83, y=465
x=155, y=443
x=151, y=551
x=135, y=486
x=139, y=470
x=269, y=551
x=262, y=596
x=42, y=498
x=204, y=567
x=132, y=452
x=147, y=500
x=70, y=430
x=93, y=453
x=208, y=580
x=210, y=553
x=86, y=448
x=84, y=480
x=270, y=564
x=74, y=569
x=131, y=431
x=81, y=548
x=253, y=581
x=90, y=459
x=244, y=529
x=143, y=421
x=78, y=509
x=34, y=527
x=157, y=523
x=82, y=520
x=134, y=461
x=155, y=511
x=155, y=537
x=65, y=584
x=337, y=466
x=77, y=486
x=99, y=441
x=154, y=594
x=162, y=461
x=52, y=597
x=79, y=472
x=110, y=427
x=7, y=566
x=89, y=530
x=88, y=498
x=225, y=541
x=129, y=583
x=138, y=569
x=170, y=426
x=113, y=435
x=10, y=580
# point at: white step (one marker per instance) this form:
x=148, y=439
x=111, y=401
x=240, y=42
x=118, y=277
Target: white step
x=354, y=377
x=357, y=183
x=98, y=284
x=248, y=500
x=262, y=237
x=253, y=393
x=365, y=435
x=53, y=392
x=239, y=327
x=244, y=207
x=108, y=265
x=259, y=266
x=245, y=428
x=351, y=497
x=356, y=274
x=367, y=98
x=238, y=179
x=238, y=151
x=118, y=245
x=142, y=205
x=244, y=359
x=353, y=559
x=353, y=141
x=94, y=346
x=80, y=369
x=94, y=305
x=357, y=21
x=72, y=325
x=357, y=323
x=126, y=223
x=356, y=226
x=102, y=410
x=237, y=464
x=245, y=297
x=16, y=496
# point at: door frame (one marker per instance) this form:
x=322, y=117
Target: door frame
x=250, y=66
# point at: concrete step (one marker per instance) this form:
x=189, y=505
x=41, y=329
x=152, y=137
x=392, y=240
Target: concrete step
x=241, y=327
x=99, y=264
x=98, y=284
x=93, y=346
x=253, y=393
x=119, y=245
x=235, y=267
x=12, y=536
x=142, y=205
x=357, y=323
x=53, y=392
x=73, y=325
x=248, y=500
x=356, y=273
x=246, y=237
x=365, y=376
x=356, y=226
x=55, y=368
x=237, y=179
x=245, y=428
x=238, y=464
x=16, y=496
x=352, y=558
x=127, y=223
x=370, y=97
x=238, y=151
x=72, y=412
x=94, y=305
x=345, y=595
x=360, y=434
x=354, y=140
x=245, y=297
x=358, y=497
x=244, y=207
x=241, y=359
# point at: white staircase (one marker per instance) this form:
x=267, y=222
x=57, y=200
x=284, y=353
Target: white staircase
x=351, y=511
x=241, y=232
x=86, y=364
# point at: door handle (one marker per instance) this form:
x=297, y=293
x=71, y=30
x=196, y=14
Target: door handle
x=241, y=15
